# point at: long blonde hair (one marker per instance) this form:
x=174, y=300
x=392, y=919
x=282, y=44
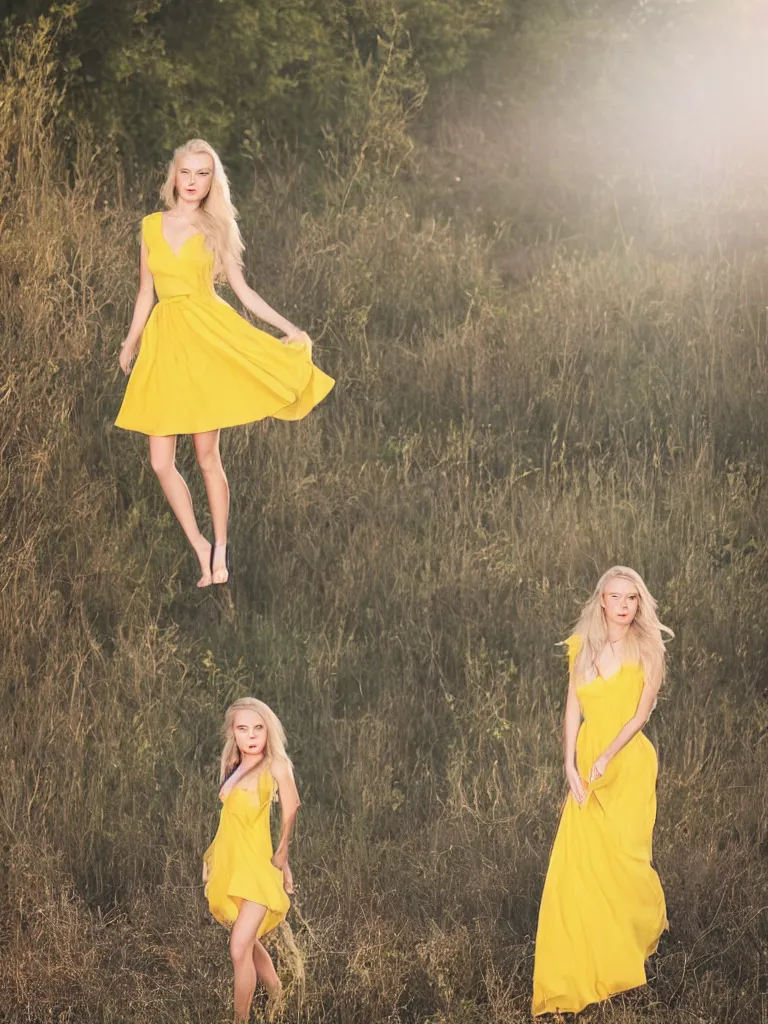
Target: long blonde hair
x=216, y=215
x=274, y=749
x=643, y=642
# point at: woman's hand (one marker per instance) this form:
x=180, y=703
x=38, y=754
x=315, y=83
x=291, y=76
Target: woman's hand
x=598, y=768
x=280, y=861
x=127, y=355
x=576, y=783
x=287, y=879
x=296, y=335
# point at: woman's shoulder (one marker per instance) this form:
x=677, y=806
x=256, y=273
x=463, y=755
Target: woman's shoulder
x=150, y=224
x=280, y=768
x=573, y=645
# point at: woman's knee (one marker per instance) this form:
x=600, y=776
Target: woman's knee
x=209, y=461
x=162, y=464
x=239, y=950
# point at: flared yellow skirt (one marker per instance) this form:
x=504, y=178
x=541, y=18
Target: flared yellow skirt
x=602, y=910
x=233, y=879
x=202, y=366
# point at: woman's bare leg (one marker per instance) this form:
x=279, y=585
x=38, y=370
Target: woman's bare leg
x=217, y=489
x=162, y=455
x=265, y=969
x=241, y=943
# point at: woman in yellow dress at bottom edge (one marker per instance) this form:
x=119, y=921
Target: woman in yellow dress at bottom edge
x=247, y=886
x=200, y=365
x=602, y=909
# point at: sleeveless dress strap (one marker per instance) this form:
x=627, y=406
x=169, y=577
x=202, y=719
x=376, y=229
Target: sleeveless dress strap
x=574, y=643
x=149, y=228
x=270, y=786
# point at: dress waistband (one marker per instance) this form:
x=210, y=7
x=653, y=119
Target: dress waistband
x=202, y=297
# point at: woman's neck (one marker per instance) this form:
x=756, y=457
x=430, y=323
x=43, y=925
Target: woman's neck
x=186, y=209
x=616, y=633
x=248, y=761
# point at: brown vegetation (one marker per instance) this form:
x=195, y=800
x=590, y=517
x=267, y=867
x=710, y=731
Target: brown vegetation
x=405, y=560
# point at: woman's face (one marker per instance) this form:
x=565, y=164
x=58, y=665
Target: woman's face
x=620, y=601
x=250, y=732
x=194, y=174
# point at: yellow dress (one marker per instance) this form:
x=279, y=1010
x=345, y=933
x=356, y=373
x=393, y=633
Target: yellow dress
x=202, y=366
x=239, y=858
x=602, y=909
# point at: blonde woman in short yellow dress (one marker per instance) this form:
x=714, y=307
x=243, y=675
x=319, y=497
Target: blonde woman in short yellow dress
x=602, y=910
x=200, y=365
x=246, y=884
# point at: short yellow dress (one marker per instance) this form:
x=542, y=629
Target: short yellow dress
x=202, y=366
x=602, y=909
x=239, y=860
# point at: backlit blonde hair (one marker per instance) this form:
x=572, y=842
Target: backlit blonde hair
x=216, y=216
x=274, y=749
x=642, y=643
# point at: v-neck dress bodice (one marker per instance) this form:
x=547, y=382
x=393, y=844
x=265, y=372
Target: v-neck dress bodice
x=201, y=366
x=185, y=271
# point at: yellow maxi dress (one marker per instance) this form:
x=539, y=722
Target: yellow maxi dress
x=202, y=366
x=238, y=861
x=602, y=910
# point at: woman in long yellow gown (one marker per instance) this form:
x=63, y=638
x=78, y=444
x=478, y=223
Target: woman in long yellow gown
x=246, y=884
x=201, y=366
x=602, y=910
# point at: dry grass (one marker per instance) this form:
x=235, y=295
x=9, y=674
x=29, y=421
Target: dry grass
x=405, y=561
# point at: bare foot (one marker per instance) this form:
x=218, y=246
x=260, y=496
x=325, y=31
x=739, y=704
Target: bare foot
x=203, y=552
x=220, y=570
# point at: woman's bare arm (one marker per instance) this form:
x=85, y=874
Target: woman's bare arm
x=254, y=302
x=145, y=300
x=571, y=726
x=289, y=806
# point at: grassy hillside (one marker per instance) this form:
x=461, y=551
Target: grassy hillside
x=518, y=406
